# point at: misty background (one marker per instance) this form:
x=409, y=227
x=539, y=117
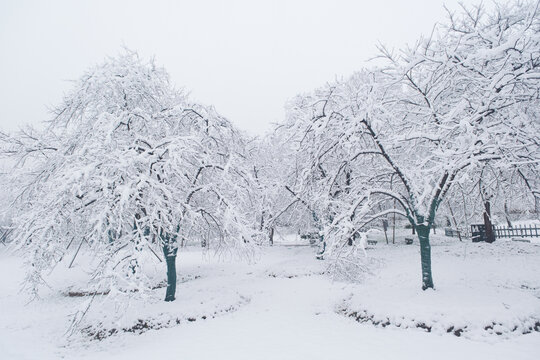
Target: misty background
x=244, y=57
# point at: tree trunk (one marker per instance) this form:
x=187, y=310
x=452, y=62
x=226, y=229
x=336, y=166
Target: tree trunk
x=507, y=215
x=261, y=225
x=271, y=236
x=394, y=226
x=170, y=258
x=425, y=256
x=490, y=237
x=322, y=248
x=455, y=222
x=385, y=228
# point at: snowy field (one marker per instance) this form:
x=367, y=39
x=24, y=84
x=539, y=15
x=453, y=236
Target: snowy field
x=284, y=306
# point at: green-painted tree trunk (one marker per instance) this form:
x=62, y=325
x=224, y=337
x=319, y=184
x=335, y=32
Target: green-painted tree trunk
x=170, y=259
x=425, y=256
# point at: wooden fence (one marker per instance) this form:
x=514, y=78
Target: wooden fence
x=516, y=231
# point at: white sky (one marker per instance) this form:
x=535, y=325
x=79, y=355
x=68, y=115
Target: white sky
x=245, y=57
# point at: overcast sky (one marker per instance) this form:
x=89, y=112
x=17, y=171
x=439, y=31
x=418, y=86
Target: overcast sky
x=245, y=57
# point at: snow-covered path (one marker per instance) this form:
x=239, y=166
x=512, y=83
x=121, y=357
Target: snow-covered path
x=290, y=315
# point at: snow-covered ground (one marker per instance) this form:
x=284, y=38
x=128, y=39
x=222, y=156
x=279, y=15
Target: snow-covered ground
x=284, y=306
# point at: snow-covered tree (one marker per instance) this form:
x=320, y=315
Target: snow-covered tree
x=274, y=171
x=129, y=165
x=435, y=115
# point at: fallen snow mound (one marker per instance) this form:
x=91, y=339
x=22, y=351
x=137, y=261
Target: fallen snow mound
x=458, y=311
x=193, y=303
x=482, y=291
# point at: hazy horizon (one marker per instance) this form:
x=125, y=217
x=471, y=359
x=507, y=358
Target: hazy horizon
x=246, y=59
